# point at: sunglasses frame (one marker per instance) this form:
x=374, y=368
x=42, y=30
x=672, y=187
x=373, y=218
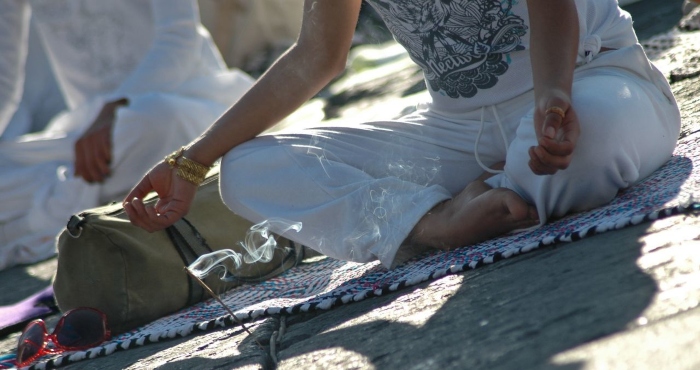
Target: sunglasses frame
x=43, y=347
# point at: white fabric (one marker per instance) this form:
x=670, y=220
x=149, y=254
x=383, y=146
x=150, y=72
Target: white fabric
x=475, y=53
x=358, y=191
x=14, y=29
x=629, y=127
x=156, y=54
x=41, y=96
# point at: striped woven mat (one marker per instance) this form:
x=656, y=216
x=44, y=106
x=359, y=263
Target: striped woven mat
x=329, y=283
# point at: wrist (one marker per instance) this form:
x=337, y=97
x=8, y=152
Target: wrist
x=199, y=154
x=113, y=105
x=186, y=168
x=553, y=97
x=109, y=108
x=120, y=102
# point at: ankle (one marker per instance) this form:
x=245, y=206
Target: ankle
x=428, y=229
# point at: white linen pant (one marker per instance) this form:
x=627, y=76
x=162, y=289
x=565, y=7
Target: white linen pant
x=358, y=191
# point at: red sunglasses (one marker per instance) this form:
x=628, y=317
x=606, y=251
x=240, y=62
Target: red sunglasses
x=78, y=329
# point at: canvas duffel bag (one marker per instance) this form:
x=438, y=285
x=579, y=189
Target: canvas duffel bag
x=135, y=277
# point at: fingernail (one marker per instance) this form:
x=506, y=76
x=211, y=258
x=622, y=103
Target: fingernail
x=549, y=132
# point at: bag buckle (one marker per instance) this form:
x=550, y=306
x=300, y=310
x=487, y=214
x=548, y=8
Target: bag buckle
x=74, y=226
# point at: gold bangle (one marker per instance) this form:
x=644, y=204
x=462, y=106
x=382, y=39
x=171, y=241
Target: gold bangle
x=556, y=110
x=187, y=169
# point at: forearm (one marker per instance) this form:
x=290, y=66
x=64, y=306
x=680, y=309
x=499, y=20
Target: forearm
x=553, y=48
x=280, y=91
x=317, y=57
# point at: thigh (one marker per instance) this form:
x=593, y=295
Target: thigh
x=411, y=152
x=357, y=191
x=628, y=126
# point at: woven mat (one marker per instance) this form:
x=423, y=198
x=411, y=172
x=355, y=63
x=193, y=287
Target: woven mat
x=677, y=52
x=330, y=283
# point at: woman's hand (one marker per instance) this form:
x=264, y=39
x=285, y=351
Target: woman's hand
x=175, y=194
x=93, y=151
x=557, y=129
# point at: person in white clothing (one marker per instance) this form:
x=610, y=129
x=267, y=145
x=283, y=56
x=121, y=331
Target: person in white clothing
x=41, y=98
x=538, y=108
x=138, y=77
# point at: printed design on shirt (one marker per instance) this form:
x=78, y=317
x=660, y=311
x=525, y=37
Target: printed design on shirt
x=462, y=45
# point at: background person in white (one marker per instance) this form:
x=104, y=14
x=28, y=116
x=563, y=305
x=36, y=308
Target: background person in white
x=138, y=77
x=41, y=98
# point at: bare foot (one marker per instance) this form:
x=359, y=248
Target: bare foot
x=478, y=213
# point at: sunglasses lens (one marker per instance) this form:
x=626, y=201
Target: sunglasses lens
x=30, y=342
x=81, y=328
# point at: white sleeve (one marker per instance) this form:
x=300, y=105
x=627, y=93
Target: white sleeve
x=14, y=33
x=175, y=50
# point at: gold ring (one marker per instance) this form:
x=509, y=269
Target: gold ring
x=556, y=110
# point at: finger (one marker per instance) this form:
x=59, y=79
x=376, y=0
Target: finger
x=133, y=215
x=147, y=217
x=106, y=155
x=160, y=205
x=137, y=214
x=102, y=155
x=552, y=124
x=172, y=207
x=94, y=162
x=160, y=221
x=557, y=148
x=552, y=161
x=81, y=159
x=79, y=165
x=536, y=165
x=140, y=190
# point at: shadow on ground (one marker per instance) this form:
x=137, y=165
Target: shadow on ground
x=515, y=314
x=19, y=282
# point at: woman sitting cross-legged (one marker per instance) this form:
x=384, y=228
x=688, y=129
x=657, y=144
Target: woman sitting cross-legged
x=538, y=109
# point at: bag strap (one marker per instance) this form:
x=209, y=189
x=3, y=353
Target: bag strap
x=190, y=244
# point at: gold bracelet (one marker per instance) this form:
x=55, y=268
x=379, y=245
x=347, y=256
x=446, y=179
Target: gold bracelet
x=187, y=169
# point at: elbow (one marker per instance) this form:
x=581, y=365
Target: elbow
x=325, y=60
x=337, y=62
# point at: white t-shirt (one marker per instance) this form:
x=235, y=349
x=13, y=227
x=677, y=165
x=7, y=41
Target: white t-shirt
x=475, y=53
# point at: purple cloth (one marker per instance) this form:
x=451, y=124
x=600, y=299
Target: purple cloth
x=14, y=317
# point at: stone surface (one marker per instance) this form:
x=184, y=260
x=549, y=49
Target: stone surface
x=568, y=307
x=626, y=299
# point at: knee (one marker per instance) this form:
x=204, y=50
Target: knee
x=593, y=179
x=255, y=162
x=235, y=168
x=580, y=187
